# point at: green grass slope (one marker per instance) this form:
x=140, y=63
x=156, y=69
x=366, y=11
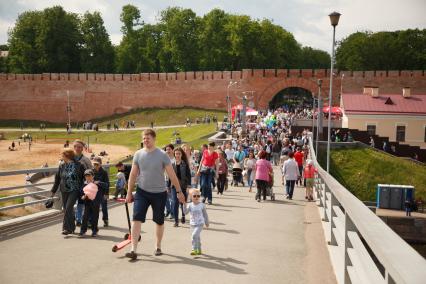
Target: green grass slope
x=174, y=116
x=142, y=117
x=361, y=169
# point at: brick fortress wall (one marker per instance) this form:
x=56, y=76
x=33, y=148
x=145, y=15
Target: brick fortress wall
x=44, y=96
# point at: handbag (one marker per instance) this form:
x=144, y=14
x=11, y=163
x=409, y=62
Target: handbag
x=49, y=203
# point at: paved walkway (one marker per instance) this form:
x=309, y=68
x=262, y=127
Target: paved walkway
x=277, y=241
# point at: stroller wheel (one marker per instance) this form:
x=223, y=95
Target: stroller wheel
x=126, y=236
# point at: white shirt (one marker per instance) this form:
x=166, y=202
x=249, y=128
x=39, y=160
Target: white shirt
x=229, y=154
x=290, y=170
x=198, y=214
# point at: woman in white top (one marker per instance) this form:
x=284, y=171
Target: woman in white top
x=249, y=166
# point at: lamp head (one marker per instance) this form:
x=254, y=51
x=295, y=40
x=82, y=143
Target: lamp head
x=319, y=82
x=334, y=18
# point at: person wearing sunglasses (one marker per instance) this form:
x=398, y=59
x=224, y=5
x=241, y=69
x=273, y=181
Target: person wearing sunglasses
x=198, y=218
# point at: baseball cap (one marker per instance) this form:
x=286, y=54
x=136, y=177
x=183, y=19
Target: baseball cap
x=97, y=160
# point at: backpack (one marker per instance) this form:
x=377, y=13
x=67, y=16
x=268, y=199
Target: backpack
x=268, y=149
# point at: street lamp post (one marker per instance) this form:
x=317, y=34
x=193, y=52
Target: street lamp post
x=228, y=99
x=68, y=109
x=334, y=20
x=319, y=117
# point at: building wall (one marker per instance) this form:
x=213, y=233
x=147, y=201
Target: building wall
x=44, y=96
x=386, y=126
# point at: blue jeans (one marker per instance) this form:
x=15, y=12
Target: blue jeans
x=289, y=187
x=249, y=180
x=104, y=205
x=169, y=203
x=79, y=212
x=206, y=185
x=176, y=204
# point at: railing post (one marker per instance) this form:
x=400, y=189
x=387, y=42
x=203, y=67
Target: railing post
x=326, y=189
x=349, y=226
x=319, y=190
x=333, y=202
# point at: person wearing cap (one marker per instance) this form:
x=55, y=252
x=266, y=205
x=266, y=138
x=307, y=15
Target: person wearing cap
x=309, y=175
x=79, y=146
x=93, y=194
x=102, y=176
x=69, y=180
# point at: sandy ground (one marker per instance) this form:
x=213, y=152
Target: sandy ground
x=40, y=154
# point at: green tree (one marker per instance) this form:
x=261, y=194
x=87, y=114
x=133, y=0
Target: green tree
x=127, y=52
x=214, y=41
x=179, y=39
x=383, y=51
x=23, y=56
x=97, y=53
x=45, y=41
x=59, y=41
x=314, y=58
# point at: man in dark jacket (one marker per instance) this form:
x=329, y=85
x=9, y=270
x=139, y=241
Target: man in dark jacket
x=102, y=176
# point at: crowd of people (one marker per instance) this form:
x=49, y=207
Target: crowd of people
x=175, y=181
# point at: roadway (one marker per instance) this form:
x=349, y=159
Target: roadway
x=277, y=241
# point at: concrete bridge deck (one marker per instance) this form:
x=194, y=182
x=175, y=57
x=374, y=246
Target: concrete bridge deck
x=277, y=241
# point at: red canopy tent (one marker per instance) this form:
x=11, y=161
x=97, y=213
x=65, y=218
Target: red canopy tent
x=239, y=107
x=334, y=110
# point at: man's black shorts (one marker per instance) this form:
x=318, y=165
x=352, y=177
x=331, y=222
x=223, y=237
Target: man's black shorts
x=143, y=200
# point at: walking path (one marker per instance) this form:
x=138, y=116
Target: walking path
x=83, y=130
x=277, y=241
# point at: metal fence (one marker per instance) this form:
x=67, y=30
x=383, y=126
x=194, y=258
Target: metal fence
x=363, y=249
x=40, y=192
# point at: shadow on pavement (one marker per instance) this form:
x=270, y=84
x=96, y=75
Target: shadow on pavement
x=223, y=230
x=232, y=206
x=204, y=261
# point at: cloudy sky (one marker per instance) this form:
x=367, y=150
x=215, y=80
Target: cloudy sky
x=306, y=19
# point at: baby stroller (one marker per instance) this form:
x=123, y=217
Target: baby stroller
x=237, y=174
x=269, y=188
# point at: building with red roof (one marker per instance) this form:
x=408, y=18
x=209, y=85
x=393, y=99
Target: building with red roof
x=401, y=117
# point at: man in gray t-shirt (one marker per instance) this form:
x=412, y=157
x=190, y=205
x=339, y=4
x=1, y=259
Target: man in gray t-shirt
x=147, y=172
x=152, y=165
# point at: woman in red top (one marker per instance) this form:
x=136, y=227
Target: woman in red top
x=209, y=162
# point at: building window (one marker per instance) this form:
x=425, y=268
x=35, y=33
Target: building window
x=371, y=129
x=400, y=133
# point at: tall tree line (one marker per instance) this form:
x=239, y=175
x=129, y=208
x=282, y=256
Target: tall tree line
x=399, y=50
x=53, y=40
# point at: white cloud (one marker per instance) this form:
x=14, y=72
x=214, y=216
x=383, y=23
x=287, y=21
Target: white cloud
x=306, y=19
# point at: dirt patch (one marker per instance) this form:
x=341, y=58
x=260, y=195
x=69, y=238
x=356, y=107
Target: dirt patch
x=49, y=153
x=41, y=153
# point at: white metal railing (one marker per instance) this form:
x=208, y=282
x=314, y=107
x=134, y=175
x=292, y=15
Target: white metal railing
x=39, y=191
x=362, y=247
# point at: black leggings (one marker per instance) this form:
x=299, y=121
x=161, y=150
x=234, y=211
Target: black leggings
x=68, y=201
x=261, y=188
x=221, y=180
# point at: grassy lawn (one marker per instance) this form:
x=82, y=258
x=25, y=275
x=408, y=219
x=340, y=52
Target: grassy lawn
x=361, y=169
x=194, y=135
x=142, y=117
